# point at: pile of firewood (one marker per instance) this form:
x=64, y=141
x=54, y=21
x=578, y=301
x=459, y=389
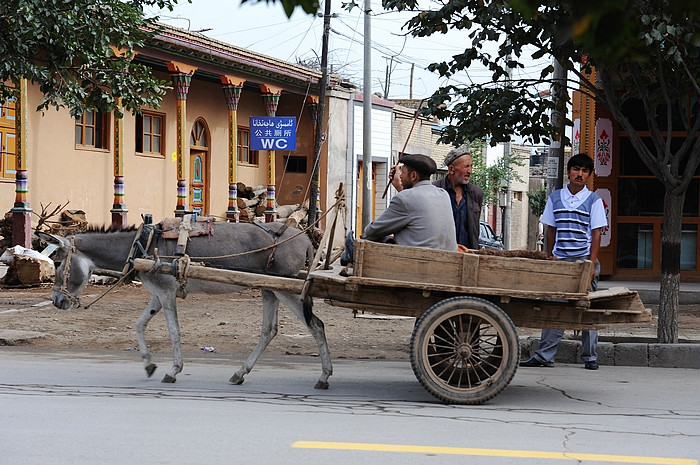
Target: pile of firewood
x=69, y=222
x=252, y=202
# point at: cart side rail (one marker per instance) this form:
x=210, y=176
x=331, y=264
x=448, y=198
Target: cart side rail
x=430, y=267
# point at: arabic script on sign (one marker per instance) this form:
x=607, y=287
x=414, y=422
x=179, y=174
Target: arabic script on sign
x=273, y=132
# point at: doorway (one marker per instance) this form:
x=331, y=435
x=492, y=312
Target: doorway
x=199, y=168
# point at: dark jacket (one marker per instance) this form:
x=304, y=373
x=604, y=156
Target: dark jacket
x=475, y=198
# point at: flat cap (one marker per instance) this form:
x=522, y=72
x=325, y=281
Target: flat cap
x=421, y=163
x=455, y=153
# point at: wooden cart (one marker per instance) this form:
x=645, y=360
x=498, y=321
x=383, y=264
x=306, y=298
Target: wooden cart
x=464, y=348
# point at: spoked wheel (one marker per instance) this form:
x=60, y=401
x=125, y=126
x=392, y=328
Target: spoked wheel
x=464, y=350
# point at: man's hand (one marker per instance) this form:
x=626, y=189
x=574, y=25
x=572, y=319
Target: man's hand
x=395, y=177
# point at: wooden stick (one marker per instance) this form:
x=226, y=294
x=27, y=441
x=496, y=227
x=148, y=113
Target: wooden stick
x=239, y=278
x=415, y=118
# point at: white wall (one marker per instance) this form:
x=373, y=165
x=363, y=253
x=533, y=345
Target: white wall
x=381, y=154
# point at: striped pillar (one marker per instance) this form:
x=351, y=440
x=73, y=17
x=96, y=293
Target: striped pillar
x=271, y=98
x=181, y=76
x=119, y=210
x=21, y=212
x=232, y=92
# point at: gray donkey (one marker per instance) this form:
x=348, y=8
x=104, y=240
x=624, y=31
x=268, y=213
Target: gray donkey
x=82, y=253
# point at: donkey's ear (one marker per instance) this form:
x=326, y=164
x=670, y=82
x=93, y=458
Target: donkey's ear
x=53, y=239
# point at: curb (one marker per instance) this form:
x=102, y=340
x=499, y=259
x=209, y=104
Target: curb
x=681, y=355
x=651, y=297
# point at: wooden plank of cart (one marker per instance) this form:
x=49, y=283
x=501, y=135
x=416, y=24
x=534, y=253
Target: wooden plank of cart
x=464, y=347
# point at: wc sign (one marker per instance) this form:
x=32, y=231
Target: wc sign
x=273, y=133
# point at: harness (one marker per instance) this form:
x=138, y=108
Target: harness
x=275, y=237
x=145, y=236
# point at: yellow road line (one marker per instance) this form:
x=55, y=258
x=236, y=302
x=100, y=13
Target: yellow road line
x=529, y=454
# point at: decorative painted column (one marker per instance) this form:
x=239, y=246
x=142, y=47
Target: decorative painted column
x=119, y=210
x=21, y=212
x=271, y=97
x=232, y=87
x=313, y=107
x=181, y=75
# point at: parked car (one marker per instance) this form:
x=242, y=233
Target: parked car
x=487, y=239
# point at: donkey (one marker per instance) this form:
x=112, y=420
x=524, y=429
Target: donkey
x=227, y=243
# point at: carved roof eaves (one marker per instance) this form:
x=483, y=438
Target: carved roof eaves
x=229, y=58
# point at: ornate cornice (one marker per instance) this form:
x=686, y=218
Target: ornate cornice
x=228, y=59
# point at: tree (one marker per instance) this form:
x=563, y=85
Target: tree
x=67, y=48
x=492, y=178
x=645, y=51
x=537, y=199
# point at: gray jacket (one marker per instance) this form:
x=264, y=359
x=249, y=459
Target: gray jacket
x=419, y=216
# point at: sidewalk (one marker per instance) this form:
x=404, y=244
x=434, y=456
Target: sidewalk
x=649, y=291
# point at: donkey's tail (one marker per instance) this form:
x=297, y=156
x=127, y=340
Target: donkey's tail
x=310, y=252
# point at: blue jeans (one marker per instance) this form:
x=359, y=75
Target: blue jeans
x=589, y=338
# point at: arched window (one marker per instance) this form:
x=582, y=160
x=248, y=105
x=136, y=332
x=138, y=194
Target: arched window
x=199, y=137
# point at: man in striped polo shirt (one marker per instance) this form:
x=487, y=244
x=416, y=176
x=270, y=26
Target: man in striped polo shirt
x=574, y=217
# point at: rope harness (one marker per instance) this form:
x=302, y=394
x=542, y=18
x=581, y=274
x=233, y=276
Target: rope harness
x=275, y=237
x=145, y=236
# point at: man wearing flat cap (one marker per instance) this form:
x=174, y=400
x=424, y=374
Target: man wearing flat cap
x=465, y=198
x=416, y=214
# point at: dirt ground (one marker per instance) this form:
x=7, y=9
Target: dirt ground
x=228, y=324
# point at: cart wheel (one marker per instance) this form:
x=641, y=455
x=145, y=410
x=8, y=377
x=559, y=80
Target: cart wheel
x=464, y=350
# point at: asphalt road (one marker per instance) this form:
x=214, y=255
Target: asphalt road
x=99, y=408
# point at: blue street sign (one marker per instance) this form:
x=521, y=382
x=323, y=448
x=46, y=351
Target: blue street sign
x=273, y=133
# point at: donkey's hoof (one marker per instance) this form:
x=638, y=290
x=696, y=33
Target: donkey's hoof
x=168, y=379
x=321, y=385
x=236, y=379
x=150, y=369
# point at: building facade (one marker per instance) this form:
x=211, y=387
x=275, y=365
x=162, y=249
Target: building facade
x=633, y=197
x=186, y=156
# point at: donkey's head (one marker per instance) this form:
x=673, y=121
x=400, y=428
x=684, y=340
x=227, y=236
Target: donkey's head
x=72, y=274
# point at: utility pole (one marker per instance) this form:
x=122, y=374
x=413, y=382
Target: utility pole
x=318, y=139
x=507, y=210
x=387, y=77
x=555, y=159
x=367, y=123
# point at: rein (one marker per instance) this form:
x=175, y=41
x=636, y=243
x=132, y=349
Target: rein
x=142, y=241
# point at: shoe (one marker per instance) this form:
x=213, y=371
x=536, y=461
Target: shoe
x=591, y=365
x=347, y=257
x=533, y=362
